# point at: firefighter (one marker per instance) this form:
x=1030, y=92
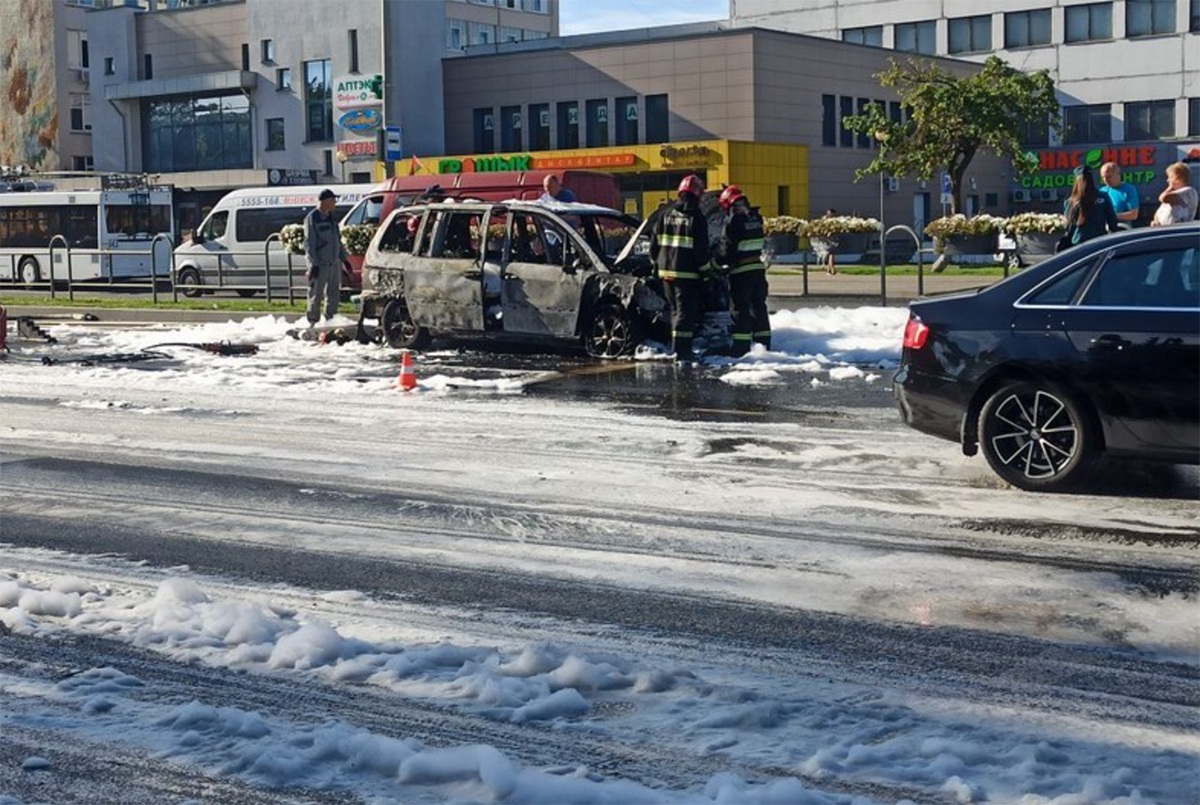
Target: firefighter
x=740, y=252
x=679, y=248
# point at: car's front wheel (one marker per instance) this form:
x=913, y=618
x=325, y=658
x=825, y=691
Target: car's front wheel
x=611, y=333
x=1038, y=437
x=399, y=329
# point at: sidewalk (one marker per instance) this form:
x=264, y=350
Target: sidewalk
x=787, y=290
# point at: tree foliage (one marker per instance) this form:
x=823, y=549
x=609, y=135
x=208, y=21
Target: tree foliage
x=952, y=118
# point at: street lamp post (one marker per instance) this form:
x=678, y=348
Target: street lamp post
x=341, y=157
x=881, y=138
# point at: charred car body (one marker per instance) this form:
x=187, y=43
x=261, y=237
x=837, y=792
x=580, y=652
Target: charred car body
x=513, y=270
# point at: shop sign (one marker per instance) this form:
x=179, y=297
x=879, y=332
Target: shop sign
x=283, y=177
x=587, y=161
x=357, y=148
x=361, y=120
x=522, y=162
x=685, y=156
x=1056, y=167
x=123, y=181
x=352, y=91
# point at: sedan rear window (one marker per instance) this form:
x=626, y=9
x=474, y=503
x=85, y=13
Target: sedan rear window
x=1158, y=279
x=1060, y=290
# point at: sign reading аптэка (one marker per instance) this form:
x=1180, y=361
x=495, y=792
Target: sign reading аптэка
x=1056, y=167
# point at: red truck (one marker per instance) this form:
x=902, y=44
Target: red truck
x=589, y=187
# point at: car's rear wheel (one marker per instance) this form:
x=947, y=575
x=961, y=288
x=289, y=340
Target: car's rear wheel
x=1038, y=437
x=399, y=329
x=611, y=333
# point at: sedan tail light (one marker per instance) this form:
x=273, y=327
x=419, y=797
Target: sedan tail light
x=915, y=333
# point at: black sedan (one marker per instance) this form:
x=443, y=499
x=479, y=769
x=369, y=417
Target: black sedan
x=1096, y=350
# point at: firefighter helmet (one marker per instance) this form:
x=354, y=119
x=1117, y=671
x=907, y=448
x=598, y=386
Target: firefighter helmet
x=692, y=184
x=730, y=196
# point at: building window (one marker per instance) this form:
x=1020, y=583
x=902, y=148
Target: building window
x=568, y=124
x=482, y=34
x=1194, y=117
x=847, y=110
x=627, y=121
x=353, y=50
x=82, y=163
x=829, y=120
x=597, y=123
x=1087, y=124
x=455, y=34
x=81, y=112
x=1194, y=17
x=871, y=35
x=77, y=50
x=318, y=101
x=895, y=112
x=1037, y=134
x=1026, y=29
x=189, y=134
x=328, y=154
x=268, y=51
x=510, y=128
x=657, y=120
x=109, y=68
x=917, y=37
x=147, y=67
x=508, y=34
x=245, y=58
x=1150, y=120
x=536, y=6
x=283, y=79
x=1149, y=17
x=530, y=35
x=275, y=138
x=539, y=126
x=862, y=139
x=485, y=128
x=971, y=34
x=1089, y=23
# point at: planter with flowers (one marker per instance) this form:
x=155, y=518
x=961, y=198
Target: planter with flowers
x=840, y=234
x=960, y=236
x=783, y=234
x=292, y=237
x=1037, y=234
x=357, y=237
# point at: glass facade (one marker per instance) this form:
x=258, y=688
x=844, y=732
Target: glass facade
x=539, y=126
x=568, y=124
x=318, y=101
x=484, y=127
x=597, y=123
x=1150, y=120
x=510, y=128
x=627, y=121
x=191, y=134
x=657, y=119
x=1087, y=124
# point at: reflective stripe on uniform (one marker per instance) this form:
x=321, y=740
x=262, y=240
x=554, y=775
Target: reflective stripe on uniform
x=743, y=337
x=681, y=333
x=746, y=269
x=678, y=275
x=751, y=245
x=676, y=241
x=763, y=334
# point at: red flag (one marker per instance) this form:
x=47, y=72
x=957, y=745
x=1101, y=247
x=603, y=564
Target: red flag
x=414, y=165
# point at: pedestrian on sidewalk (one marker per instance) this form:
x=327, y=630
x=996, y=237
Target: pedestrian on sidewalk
x=739, y=251
x=324, y=253
x=1089, y=213
x=1122, y=195
x=680, y=251
x=826, y=248
x=1178, y=203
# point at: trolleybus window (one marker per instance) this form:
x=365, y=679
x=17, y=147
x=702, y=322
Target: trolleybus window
x=138, y=220
x=34, y=226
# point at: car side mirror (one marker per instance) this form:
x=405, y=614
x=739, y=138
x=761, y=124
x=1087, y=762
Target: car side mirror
x=197, y=237
x=573, y=266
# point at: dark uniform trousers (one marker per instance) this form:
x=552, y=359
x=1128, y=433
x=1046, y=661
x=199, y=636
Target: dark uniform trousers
x=751, y=322
x=686, y=297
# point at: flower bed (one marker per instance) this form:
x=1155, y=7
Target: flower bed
x=960, y=236
x=356, y=238
x=292, y=237
x=1036, y=223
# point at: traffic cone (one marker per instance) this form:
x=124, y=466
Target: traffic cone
x=408, y=377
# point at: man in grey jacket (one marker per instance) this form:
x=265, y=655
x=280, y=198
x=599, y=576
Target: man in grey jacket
x=324, y=252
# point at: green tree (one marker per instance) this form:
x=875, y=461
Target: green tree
x=952, y=118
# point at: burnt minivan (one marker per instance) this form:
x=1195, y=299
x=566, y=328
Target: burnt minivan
x=514, y=270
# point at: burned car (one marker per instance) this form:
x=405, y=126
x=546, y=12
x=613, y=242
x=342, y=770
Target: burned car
x=513, y=270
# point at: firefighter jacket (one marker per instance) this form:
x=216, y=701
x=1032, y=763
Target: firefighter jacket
x=679, y=244
x=741, y=245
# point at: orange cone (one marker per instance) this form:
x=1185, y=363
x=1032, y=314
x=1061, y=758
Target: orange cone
x=408, y=377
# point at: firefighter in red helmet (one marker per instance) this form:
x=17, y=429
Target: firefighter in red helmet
x=679, y=248
x=740, y=252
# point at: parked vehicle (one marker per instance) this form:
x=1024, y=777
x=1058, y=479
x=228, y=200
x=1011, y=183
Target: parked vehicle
x=518, y=270
x=230, y=248
x=589, y=187
x=97, y=224
x=1096, y=350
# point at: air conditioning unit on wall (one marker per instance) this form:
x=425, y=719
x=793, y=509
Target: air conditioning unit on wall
x=1048, y=195
x=1021, y=196
x=893, y=184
